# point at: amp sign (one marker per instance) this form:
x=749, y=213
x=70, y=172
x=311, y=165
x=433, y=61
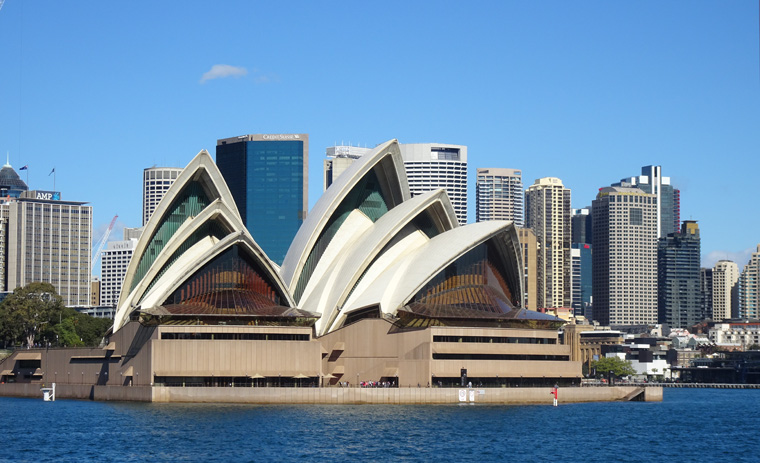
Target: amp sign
x=48, y=195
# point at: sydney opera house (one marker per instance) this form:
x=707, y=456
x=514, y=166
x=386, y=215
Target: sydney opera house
x=376, y=286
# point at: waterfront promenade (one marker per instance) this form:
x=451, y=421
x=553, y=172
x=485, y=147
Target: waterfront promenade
x=333, y=395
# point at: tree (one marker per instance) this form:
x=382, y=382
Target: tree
x=78, y=329
x=25, y=313
x=615, y=365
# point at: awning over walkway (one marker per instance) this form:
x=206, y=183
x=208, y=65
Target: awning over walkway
x=29, y=356
x=390, y=372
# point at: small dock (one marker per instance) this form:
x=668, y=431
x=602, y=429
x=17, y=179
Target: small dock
x=706, y=385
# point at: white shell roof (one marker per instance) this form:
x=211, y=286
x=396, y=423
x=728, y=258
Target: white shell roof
x=331, y=290
x=318, y=217
x=400, y=282
x=221, y=208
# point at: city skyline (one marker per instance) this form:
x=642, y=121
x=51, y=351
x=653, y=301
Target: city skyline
x=588, y=94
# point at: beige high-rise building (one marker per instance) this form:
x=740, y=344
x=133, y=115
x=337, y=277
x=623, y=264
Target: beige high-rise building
x=94, y=292
x=156, y=180
x=725, y=290
x=529, y=247
x=499, y=195
x=338, y=159
x=50, y=240
x=3, y=244
x=624, y=257
x=547, y=208
x=749, y=287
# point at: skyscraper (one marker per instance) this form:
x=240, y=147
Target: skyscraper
x=339, y=157
x=625, y=256
x=547, y=207
x=706, y=291
x=50, y=240
x=678, y=280
x=725, y=290
x=4, y=211
x=268, y=177
x=430, y=166
x=114, y=262
x=749, y=287
x=582, y=231
x=582, y=252
x=668, y=199
x=499, y=195
x=529, y=251
x=156, y=181
x=582, y=279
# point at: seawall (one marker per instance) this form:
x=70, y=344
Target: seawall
x=330, y=395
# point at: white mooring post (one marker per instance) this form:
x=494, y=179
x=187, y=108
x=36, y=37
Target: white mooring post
x=48, y=393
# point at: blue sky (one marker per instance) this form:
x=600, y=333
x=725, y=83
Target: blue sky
x=585, y=91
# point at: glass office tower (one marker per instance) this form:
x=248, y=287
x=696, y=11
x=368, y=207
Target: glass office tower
x=268, y=178
x=678, y=277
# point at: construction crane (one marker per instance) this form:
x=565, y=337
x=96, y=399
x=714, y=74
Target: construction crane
x=103, y=242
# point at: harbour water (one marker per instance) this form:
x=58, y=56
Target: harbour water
x=706, y=425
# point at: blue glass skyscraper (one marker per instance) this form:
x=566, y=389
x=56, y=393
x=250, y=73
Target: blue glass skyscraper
x=268, y=178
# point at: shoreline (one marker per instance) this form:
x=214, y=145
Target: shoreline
x=338, y=396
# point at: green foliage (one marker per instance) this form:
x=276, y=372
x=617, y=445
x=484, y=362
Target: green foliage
x=36, y=313
x=615, y=365
x=77, y=329
x=29, y=312
x=67, y=333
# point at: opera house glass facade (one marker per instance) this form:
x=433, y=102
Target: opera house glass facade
x=375, y=286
